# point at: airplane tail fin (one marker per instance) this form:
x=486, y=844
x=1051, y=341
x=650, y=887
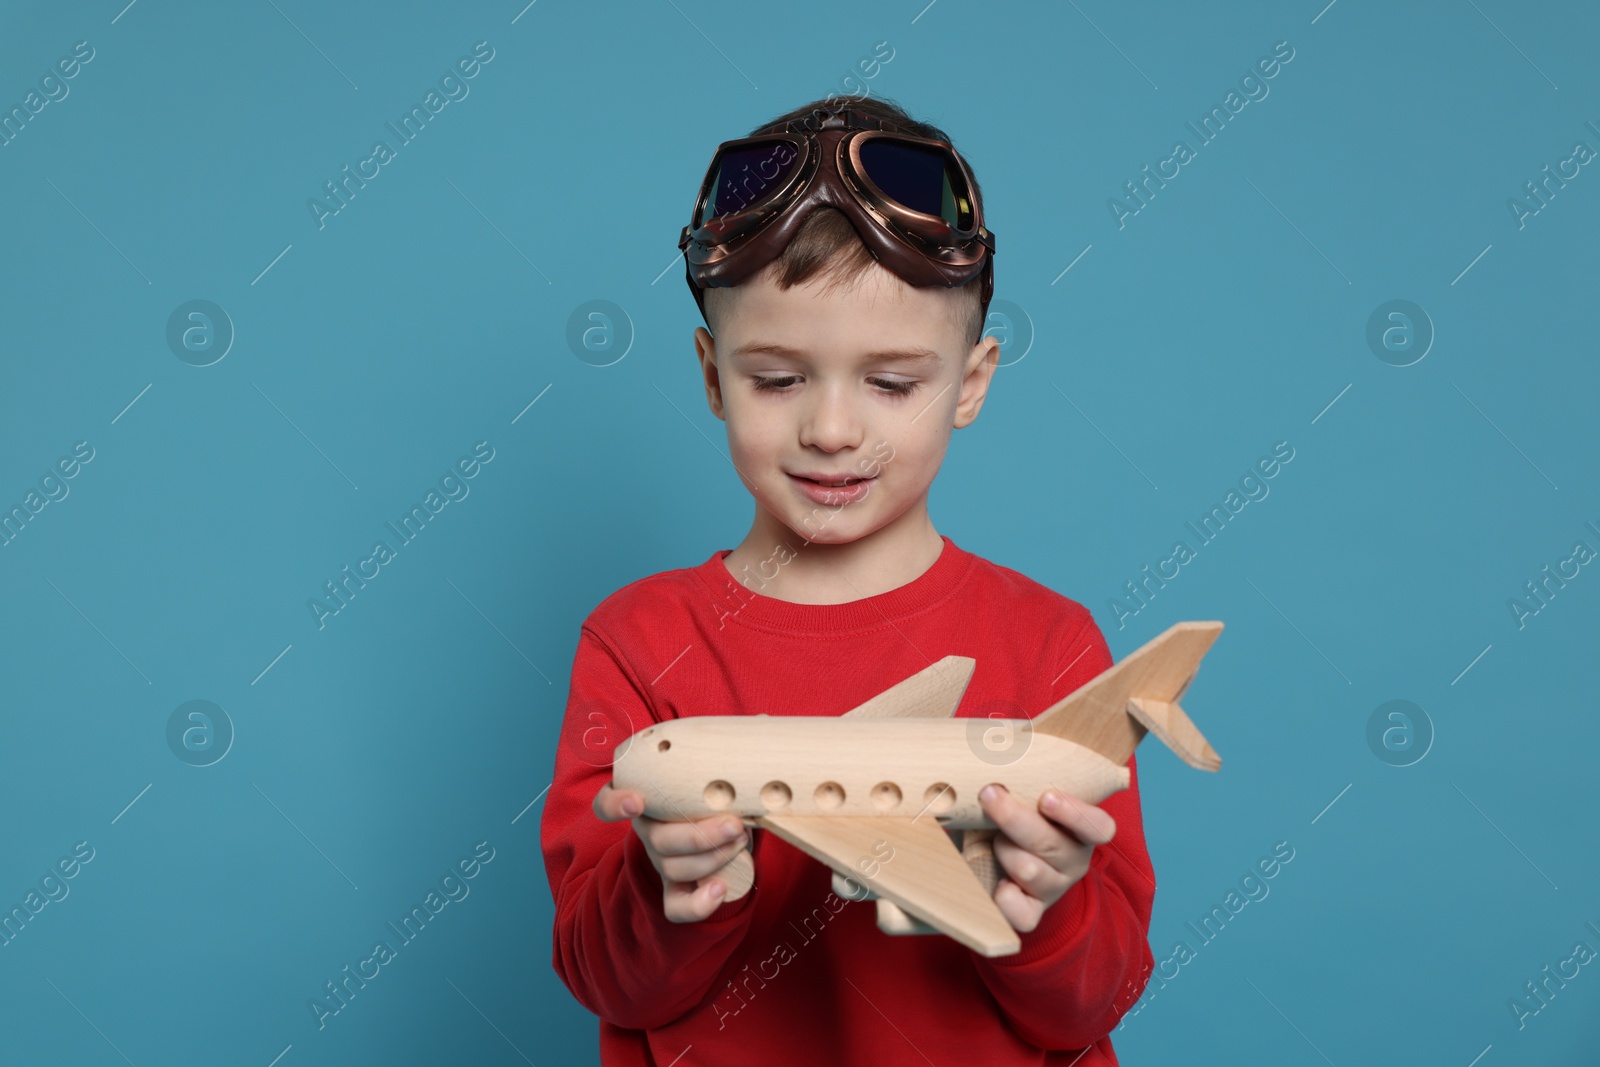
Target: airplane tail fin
x=1112, y=713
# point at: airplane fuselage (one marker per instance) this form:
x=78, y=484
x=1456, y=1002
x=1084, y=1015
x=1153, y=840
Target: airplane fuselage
x=755, y=765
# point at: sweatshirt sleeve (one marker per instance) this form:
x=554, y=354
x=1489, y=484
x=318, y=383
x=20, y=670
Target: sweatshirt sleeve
x=613, y=945
x=1086, y=962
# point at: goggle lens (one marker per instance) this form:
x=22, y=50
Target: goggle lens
x=748, y=176
x=921, y=178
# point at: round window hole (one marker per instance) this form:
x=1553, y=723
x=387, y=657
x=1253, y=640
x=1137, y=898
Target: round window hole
x=939, y=798
x=829, y=795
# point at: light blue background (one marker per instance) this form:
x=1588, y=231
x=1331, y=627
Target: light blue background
x=427, y=315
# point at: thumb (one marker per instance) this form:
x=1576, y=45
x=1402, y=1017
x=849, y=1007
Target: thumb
x=687, y=903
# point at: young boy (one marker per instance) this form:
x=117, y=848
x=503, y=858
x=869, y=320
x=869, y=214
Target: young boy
x=845, y=293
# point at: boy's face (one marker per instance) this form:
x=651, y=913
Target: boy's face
x=830, y=383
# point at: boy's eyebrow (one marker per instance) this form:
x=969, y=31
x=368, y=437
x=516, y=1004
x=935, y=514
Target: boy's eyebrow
x=899, y=355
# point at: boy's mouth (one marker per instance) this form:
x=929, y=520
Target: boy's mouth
x=833, y=490
x=831, y=480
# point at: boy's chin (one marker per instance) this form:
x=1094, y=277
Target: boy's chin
x=830, y=537
x=839, y=529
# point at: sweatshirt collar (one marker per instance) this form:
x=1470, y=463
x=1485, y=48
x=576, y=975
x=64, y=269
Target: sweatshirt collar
x=737, y=604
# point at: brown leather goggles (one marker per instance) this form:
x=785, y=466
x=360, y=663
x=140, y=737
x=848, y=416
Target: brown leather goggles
x=910, y=198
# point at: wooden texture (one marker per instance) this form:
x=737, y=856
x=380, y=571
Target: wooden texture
x=824, y=765
x=1097, y=715
x=947, y=682
x=897, y=771
x=1172, y=727
x=933, y=692
x=738, y=876
x=977, y=848
x=924, y=874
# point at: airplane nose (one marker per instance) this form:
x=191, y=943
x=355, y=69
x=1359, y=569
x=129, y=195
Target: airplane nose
x=652, y=742
x=644, y=758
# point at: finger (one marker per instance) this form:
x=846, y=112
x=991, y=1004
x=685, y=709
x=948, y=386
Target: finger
x=1022, y=911
x=684, y=902
x=720, y=833
x=1085, y=821
x=1041, y=880
x=613, y=804
x=1025, y=826
x=699, y=865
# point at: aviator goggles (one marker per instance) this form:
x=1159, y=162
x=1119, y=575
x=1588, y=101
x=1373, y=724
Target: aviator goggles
x=910, y=198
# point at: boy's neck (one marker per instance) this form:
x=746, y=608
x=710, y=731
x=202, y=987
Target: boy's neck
x=818, y=572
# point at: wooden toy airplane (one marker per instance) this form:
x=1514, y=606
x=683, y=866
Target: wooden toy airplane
x=900, y=770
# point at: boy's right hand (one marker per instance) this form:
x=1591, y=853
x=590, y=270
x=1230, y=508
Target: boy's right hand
x=685, y=854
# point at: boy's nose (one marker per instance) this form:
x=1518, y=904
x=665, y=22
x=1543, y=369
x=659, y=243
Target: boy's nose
x=831, y=422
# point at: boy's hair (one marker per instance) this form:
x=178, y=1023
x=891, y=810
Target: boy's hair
x=828, y=241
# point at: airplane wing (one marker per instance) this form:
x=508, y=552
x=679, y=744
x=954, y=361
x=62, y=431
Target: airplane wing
x=925, y=875
x=933, y=692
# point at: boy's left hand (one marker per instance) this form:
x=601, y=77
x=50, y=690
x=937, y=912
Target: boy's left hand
x=1042, y=851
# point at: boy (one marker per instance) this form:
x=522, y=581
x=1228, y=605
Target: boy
x=843, y=344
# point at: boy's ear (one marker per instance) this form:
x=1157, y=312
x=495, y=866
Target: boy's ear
x=705, y=348
x=975, y=378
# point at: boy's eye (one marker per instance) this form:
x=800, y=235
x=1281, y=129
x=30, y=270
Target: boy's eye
x=888, y=385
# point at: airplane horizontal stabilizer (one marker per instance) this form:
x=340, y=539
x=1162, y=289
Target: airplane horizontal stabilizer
x=1112, y=713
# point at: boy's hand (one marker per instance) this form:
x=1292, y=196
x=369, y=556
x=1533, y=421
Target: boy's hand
x=1042, y=852
x=683, y=852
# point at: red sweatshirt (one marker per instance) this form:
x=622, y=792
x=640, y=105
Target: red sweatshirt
x=791, y=973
